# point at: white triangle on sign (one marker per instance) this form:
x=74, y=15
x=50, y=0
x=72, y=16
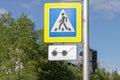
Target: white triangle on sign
x=62, y=24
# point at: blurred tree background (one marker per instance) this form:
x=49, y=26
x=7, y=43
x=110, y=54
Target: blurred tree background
x=24, y=55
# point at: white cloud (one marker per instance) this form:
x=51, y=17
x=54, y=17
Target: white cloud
x=109, y=65
x=71, y=0
x=119, y=72
x=36, y=2
x=31, y=17
x=30, y=4
x=103, y=5
x=106, y=65
x=26, y=6
x=3, y=11
x=106, y=6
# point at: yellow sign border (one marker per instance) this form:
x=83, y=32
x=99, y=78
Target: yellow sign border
x=78, y=37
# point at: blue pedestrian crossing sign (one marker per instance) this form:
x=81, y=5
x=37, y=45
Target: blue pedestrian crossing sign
x=63, y=22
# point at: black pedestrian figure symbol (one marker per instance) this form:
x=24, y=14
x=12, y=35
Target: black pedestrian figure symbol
x=62, y=22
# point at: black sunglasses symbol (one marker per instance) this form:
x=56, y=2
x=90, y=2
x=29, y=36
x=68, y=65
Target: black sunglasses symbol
x=64, y=52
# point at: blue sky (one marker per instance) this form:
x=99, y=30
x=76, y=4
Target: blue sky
x=104, y=17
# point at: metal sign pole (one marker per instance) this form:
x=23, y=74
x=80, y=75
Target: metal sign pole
x=86, y=71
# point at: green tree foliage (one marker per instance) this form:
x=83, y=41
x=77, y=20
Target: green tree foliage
x=51, y=70
x=105, y=75
x=77, y=72
x=17, y=45
x=115, y=76
x=24, y=55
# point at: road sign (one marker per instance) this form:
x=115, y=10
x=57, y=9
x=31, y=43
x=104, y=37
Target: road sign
x=63, y=22
x=62, y=52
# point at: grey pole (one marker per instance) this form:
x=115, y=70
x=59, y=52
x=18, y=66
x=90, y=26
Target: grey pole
x=86, y=71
